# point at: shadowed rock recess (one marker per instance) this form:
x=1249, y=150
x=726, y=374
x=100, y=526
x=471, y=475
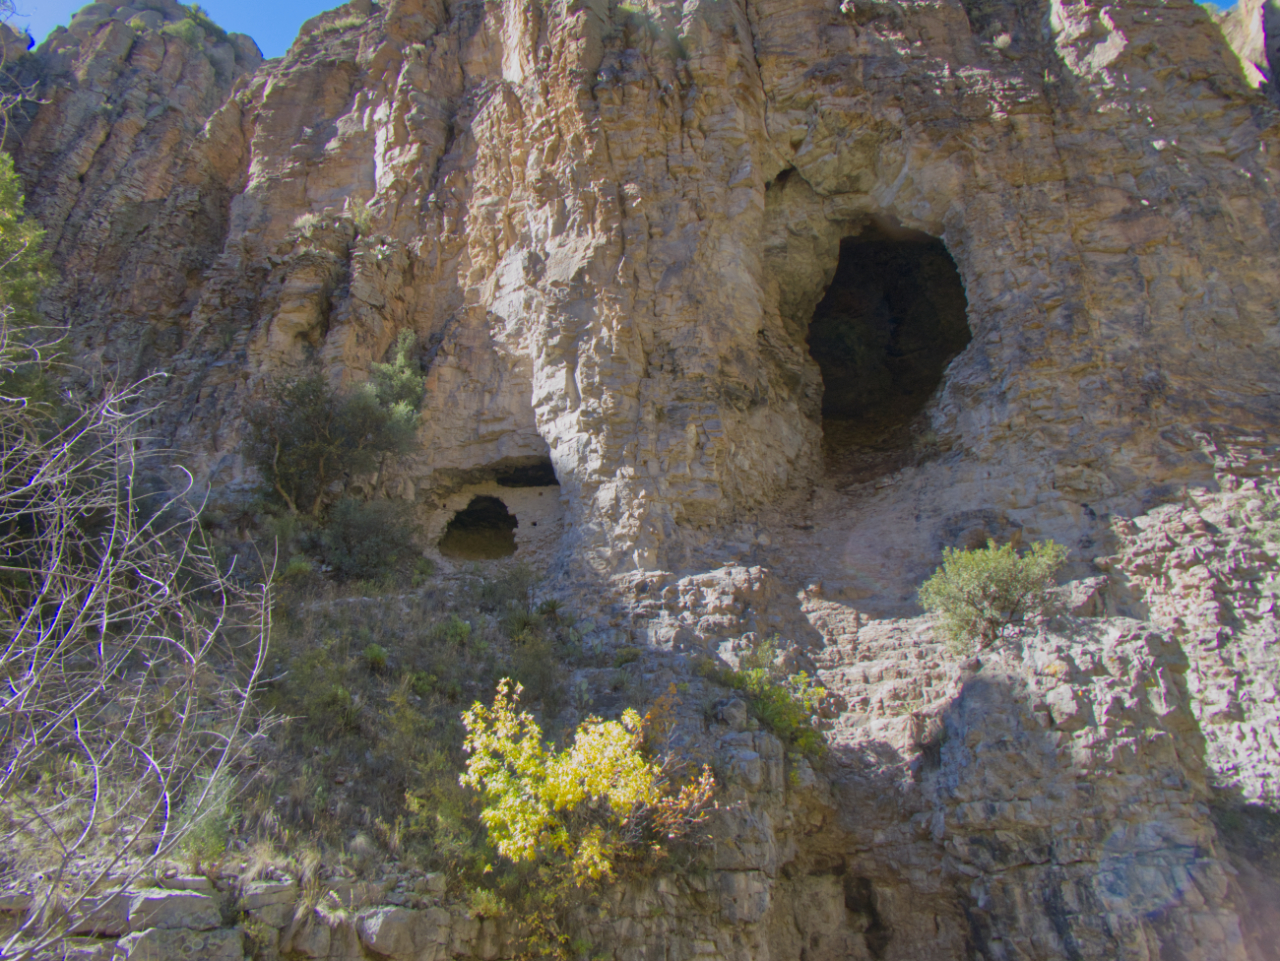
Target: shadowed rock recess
x=892, y=318
x=483, y=530
x=747, y=309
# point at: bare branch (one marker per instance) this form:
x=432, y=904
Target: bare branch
x=128, y=661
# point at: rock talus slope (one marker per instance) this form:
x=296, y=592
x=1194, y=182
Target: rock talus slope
x=609, y=227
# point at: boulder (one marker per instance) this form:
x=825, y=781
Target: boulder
x=172, y=910
x=182, y=944
x=404, y=934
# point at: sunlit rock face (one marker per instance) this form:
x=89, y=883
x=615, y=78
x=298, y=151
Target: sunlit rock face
x=610, y=229
x=736, y=313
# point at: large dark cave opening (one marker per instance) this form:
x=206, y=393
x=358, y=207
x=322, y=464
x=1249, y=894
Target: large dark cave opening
x=882, y=335
x=485, y=530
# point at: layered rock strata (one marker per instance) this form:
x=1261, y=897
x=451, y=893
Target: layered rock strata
x=609, y=227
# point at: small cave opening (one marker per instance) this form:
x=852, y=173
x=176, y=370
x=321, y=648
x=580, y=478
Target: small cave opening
x=539, y=473
x=483, y=531
x=892, y=319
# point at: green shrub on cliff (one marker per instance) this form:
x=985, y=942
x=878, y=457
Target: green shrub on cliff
x=306, y=434
x=978, y=593
x=186, y=30
x=784, y=703
x=24, y=267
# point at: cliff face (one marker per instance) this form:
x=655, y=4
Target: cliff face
x=610, y=228
x=790, y=295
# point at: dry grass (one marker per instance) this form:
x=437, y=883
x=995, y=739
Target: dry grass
x=366, y=769
x=345, y=23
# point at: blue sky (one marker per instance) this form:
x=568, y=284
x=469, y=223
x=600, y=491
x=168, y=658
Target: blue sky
x=273, y=23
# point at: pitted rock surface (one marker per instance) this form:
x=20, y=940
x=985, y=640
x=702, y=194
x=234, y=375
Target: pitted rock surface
x=609, y=227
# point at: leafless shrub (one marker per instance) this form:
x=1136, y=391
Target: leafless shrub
x=128, y=660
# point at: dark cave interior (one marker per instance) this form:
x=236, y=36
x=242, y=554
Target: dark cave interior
x=892, y=319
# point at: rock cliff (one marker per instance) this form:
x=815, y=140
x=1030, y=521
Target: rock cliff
x=754, y=306
x=610, y=228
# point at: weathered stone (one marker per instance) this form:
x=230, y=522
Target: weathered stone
x=744, y=896
x=310, y=939
x=173, y=909
x=87, y=949
x=272, y=902
x=105, y=916
x=405, y=934
x=181, y=944
x=702, y=411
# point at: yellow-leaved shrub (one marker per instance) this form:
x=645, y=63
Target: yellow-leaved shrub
x=577, y=812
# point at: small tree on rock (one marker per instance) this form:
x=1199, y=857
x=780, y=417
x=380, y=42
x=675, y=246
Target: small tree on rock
x=978, y=593
x=306, y=434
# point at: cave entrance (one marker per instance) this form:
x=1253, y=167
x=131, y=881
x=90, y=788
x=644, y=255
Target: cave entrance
x=484, y=531
x=882, y=335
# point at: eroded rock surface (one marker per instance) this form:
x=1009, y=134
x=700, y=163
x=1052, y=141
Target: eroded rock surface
x=609, y=227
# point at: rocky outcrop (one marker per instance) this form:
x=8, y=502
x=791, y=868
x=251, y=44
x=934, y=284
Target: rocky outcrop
x=1243, y=29
x=609, y=226
x=1206, y=570
x=1046, y=802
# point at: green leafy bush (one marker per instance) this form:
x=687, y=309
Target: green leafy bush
x=305, y=434
x=186, y=30
x=336, y=708
x=297, y=567
x=978, y=593
x=626, y=655
x=206, y=816
x=362, y=217
x=454, y=631
x=375, y=655
x=400, y=382
x=366, y=538
x=783, y=703
x=24, y=266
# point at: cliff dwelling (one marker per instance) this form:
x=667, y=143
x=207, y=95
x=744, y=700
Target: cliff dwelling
x=498, y=511
x=882, y=335
x=483, y=530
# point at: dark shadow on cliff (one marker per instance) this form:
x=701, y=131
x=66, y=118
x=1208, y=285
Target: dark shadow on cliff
x=1250, y=834
x=892, y=318
x=993, y=745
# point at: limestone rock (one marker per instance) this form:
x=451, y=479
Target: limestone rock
x=271, y=902
x=165, y=944
x=404, y=934
x=610, y=229
x=106, y=916
x=310, y=939
x=173, y=909
x=620, y=283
